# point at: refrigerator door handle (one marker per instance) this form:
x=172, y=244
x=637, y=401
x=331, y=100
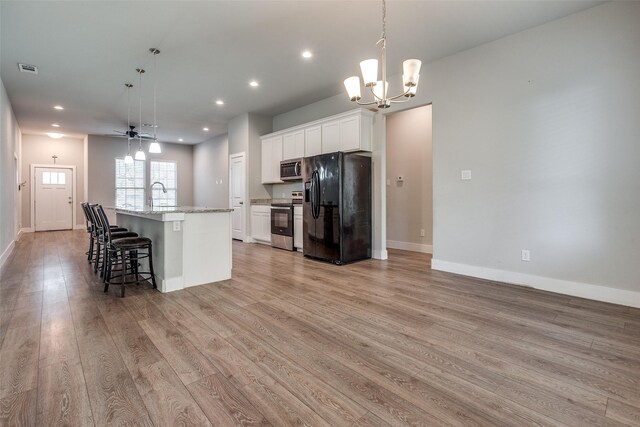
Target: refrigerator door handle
x=316, y=189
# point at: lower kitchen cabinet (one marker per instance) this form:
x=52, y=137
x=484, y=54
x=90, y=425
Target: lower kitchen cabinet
x=297, y=227
x=261, y=223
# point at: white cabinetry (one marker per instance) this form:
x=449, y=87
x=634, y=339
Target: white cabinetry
x=271, y=158
x=297, y=227
x=350, y=131
x=350, y=134
x=293, y=145
x=346, y=134
x=313, y=141
x=261, y=223
x=331, y=136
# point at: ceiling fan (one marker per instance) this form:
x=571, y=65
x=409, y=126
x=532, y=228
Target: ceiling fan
x=131, y=133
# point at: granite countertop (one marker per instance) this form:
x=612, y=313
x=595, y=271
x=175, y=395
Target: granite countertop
x=269, y=201
x=169, y=209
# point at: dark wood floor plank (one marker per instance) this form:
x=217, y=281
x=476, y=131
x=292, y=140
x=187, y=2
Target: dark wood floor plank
x=279, y=406
x=19, y=409
x=19, y=361
x=184, y=357
x=168, y=401
x=623, y=413
x=224, y=404
x=62, y=395
x=234, y=365
x=112, y=392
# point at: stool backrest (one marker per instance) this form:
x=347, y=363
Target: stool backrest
x=104, y=222
x=85, y=207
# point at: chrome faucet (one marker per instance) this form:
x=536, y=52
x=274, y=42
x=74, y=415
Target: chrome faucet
x=164, y=190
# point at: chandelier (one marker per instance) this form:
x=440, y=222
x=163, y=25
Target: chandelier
x=379, y=88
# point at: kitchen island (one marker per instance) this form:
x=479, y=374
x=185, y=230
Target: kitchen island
x=191, y=245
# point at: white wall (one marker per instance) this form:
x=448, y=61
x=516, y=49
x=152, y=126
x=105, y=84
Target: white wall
x=9, y=147
x=410, y=201
x=546, y=119
x=38, y=149
x=211, y=172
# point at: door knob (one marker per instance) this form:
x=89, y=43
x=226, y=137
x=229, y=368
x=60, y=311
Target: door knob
x=242, y=203
x=70, y=201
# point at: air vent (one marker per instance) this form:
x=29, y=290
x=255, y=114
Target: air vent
x=26, y=68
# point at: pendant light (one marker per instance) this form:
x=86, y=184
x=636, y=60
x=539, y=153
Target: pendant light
x=140, y=154
x=128, y=159
x=379, y=88
x=154, y=147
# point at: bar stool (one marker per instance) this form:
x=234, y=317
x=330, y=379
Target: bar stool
x=104, y=234
x=126, y=252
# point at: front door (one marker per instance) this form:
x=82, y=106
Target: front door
x=237, y=194
x=53, y=199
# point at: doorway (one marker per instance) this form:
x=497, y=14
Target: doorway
x=237, y=194
x=52, y=197
x=409, y=167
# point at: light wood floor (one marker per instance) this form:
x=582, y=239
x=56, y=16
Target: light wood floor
x=289, y=341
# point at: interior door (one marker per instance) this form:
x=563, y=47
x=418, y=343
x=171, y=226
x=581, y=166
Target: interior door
x=237, y=168
x=53, y=199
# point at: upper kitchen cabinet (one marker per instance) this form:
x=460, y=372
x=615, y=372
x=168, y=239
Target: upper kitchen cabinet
x=293, y=145
x=312, y=141
x=271, y=158
x=350, y=131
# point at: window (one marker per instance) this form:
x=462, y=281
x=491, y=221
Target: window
x=166, y=173
x=49, y=178
x=130, y=184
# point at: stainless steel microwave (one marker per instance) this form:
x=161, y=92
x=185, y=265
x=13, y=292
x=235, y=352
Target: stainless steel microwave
x=291, y=170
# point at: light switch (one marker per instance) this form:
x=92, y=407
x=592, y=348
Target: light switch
x=388, y=182
x=465, y=175
x=176, y=225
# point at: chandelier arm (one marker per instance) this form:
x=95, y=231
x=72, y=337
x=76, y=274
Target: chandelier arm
x=399, y=96
x=375, y=97
x=399, y=101
x=366, y=103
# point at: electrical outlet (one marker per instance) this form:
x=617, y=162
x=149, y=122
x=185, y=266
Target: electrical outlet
x=526, y=255
x=422, y=232
x=176, y=225
x=465, y=175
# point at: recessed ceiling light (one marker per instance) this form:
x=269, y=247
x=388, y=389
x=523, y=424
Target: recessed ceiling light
x=58, y=107
x=307, y=54
x=220, y=102
x=55, y=125
x=180, y=139
x=55, y=135
x=205, y=129
x=254, y=83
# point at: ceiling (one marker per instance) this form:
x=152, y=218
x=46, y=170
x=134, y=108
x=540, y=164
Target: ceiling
x=86, y=51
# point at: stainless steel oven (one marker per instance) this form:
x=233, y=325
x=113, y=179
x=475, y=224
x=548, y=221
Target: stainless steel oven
x=282, y=226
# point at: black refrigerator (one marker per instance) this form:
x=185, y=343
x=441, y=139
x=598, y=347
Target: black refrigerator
x=337, y=207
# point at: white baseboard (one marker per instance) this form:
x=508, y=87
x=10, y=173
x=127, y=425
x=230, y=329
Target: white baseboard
x=170, y=285
x=408, y=246
x=566, y=287
x=7, y=253
x=26, y=230
x=80, y=227
x=378, y=254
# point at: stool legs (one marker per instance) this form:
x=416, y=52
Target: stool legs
x=128, y=260
x=153, y=275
